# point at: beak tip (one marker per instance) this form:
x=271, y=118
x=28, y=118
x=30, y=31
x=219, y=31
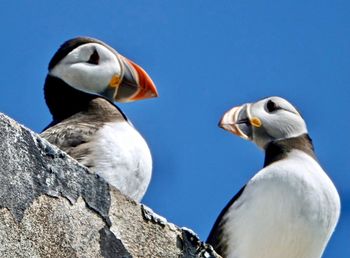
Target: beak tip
x=155, y=94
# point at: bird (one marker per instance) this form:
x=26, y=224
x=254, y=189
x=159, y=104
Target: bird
x=85, y=77
x=288, y=209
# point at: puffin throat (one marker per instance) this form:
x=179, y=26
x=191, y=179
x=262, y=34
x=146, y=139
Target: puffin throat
x=63, y=100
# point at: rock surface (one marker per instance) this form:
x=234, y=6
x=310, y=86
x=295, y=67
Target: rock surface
x=51, y=206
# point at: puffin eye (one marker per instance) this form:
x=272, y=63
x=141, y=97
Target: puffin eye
x=271, y=106
x=94, y=58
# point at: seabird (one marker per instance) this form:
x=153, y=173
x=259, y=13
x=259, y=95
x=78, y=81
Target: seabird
x=290, y=208
x=85, y=76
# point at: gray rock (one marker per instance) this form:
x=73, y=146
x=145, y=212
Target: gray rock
x=51, y=206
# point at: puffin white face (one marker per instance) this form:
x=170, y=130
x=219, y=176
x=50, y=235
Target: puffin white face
x=90, y=67
x=267, y=120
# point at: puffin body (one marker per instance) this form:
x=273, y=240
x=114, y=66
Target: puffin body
x=289, y=208
x=87, y=125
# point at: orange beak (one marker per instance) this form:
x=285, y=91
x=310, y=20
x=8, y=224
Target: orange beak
x=146, y=85
x=136, y=84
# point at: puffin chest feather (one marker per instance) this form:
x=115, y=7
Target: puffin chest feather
x=121, y=156
x=288, y=209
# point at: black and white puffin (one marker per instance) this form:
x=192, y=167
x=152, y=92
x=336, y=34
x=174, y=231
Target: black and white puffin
x=290, y=208
x=85, y=76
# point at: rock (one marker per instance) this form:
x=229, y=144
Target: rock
x=51, y=206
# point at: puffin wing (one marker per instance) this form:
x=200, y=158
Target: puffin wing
x=76, y=139
x=216, y=236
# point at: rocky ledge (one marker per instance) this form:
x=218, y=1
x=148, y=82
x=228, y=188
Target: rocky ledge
x=51, y=206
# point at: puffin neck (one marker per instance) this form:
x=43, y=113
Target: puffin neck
x=279, y=149
x=63, y=100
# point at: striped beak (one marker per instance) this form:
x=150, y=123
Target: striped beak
x=135, y=84
x=237, y=122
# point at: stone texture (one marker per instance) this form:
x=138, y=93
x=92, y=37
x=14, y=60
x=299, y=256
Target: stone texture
x=51, y=206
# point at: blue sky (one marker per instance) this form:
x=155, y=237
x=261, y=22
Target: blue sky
x=205, y=57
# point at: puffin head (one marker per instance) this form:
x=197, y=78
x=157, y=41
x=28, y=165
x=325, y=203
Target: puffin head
x=262, y=122
x=91, y=66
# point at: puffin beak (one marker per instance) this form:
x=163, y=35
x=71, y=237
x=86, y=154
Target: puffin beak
x=135, y=84
x=237, y=122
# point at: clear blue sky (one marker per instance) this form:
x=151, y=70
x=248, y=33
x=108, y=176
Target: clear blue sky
x=205, y=57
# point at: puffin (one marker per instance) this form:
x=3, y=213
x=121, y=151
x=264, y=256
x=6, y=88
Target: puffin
x=290, y=208
x=85, y=77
